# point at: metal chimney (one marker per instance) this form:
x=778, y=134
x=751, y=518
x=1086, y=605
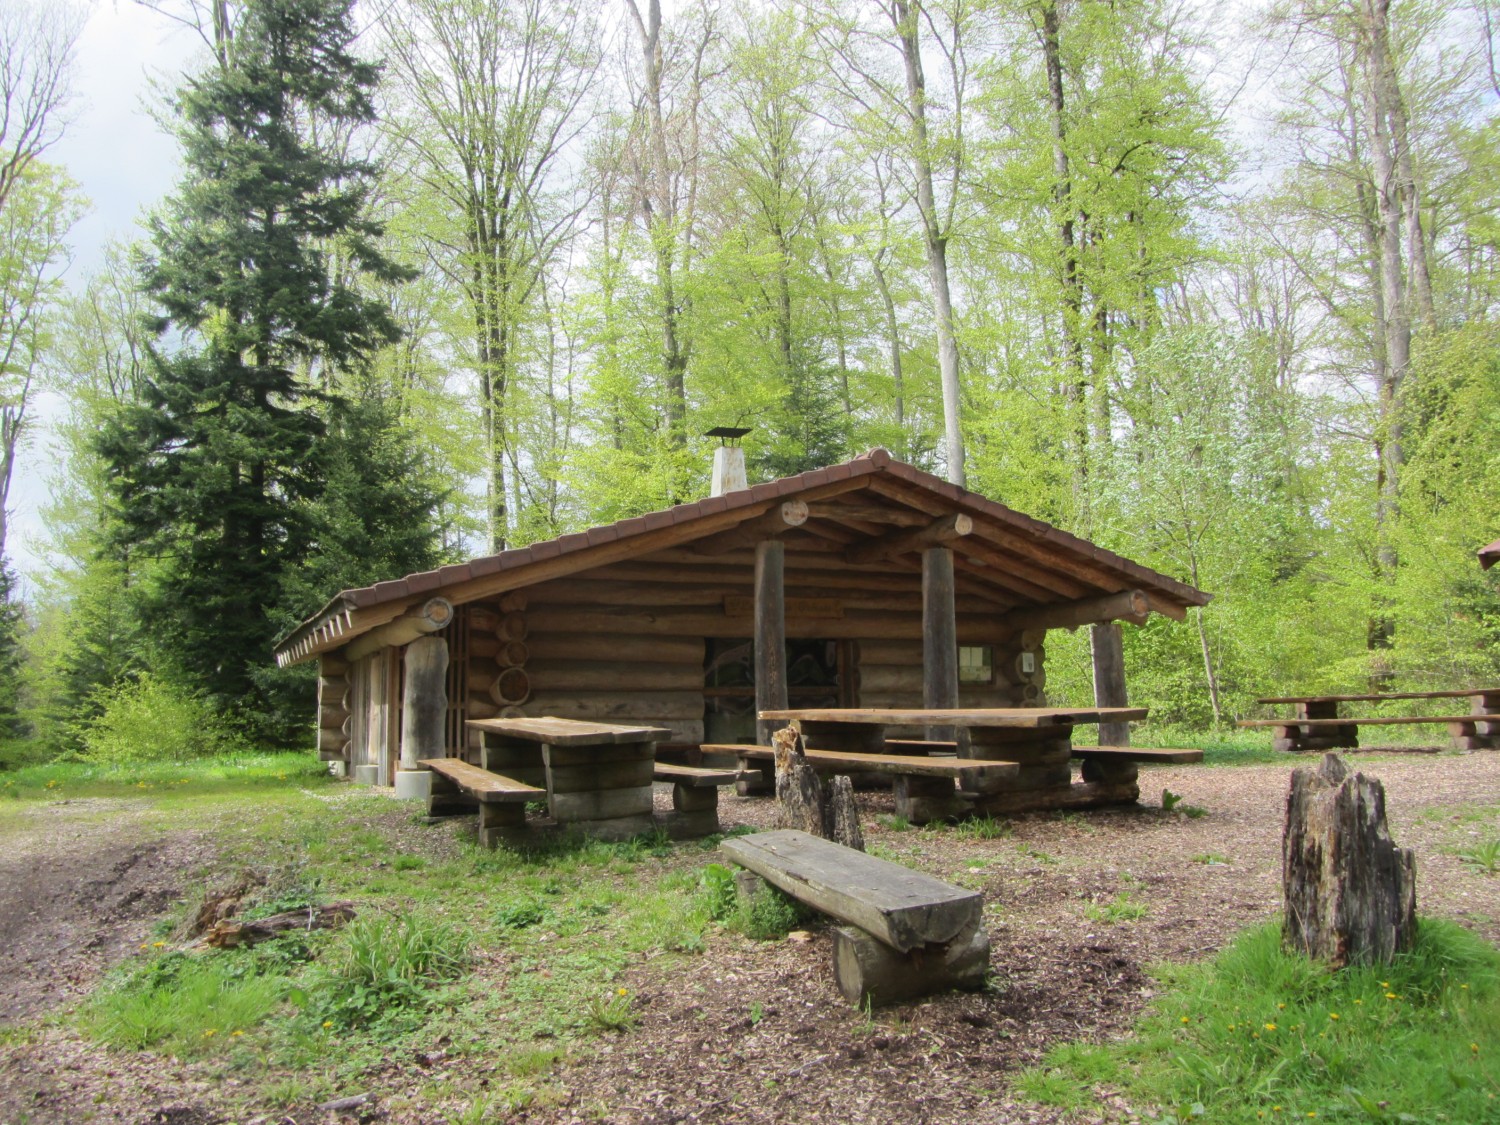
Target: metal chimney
x=729, y=460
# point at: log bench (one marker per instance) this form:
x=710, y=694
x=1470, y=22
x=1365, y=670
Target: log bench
x=906, y=934
x=457, y=787
x=695, y=796
x=923, y=784
x=1466, y=732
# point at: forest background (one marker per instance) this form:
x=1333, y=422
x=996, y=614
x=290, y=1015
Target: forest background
x=1211, y=285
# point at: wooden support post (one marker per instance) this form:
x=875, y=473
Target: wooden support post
x=424, y=714
x=939, y=639
x=770, y=635
x=1109, y=679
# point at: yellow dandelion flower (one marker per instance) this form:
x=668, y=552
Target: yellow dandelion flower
x=1275, y=1109
x=1255, y=1035
x=327, y=1024
x=1391, y=996
x=1359, y=1001
x=1310, y=1113
x=210, y=1033
x=624, y=992
x=1464, y=987
x=1474, y=1047
x=1281, y=1007
x=1185, y=1019
x=236, y=1034
x=1270, y=1027
x=1231, y=1027
x=1333, y=1015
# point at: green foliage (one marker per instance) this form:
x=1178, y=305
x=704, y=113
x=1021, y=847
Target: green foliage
x=1122, y=908
x=153, y=720
x=12, y=725
x=184, y=1005
x=769, y=915
x=719, y=890
x=221, y=462
x=1258, y=1033
x=383, y=970
x=982, y=828
x=1483, y=857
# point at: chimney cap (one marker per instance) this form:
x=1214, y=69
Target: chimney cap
x=728, y=434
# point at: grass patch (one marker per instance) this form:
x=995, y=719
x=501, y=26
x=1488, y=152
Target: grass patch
x=1258, y=1035
x=1121, y=908
x=1483, y=857
x=230, y=773
x=188, y=1006
x=982, y=828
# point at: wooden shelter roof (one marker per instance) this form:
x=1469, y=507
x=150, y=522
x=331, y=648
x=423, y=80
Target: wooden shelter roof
x=870, y=508
x=1489, y=556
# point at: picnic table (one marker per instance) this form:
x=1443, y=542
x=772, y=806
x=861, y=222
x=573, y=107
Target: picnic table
x=1318, y=724
x=1036, y=741
x=594, y=777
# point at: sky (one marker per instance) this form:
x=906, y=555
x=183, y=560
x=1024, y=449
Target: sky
x=124, y=163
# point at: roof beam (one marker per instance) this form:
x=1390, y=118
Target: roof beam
x=1128, y=605
x=936, y=534
x=433, y=615
x=780, y=519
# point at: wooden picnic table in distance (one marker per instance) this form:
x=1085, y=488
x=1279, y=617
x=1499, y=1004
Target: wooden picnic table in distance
x=1317, y=724
x=1037, y=739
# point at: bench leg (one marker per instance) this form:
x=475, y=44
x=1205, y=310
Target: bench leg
x=923, y=799
x=757, y=778
x=445, y=798
x=696, y=812
x=502, y=824
x=870, y=972
x=1472, y=736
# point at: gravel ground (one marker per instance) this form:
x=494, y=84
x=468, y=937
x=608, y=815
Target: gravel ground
x=757, y=1032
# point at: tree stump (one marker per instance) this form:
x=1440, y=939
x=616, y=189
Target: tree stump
x=804, y=803
x=1350, y=893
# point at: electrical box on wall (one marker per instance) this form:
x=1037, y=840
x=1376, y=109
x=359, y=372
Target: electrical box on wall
x=1028, y=664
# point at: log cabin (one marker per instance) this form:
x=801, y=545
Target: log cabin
x=869, y=583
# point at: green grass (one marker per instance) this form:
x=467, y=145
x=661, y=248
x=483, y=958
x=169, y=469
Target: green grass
x=1121, y=908
x=1258, y=1035
x=230, y=774
x=184, y=1006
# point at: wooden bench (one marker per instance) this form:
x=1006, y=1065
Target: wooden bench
x=457, y=787
x=1331, y=733
x=907, y=934
x=695, y=796
x=924, y=784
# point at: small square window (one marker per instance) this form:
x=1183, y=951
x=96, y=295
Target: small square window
x=975, y=664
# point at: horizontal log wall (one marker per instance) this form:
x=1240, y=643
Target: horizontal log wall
x=625, y=643
x=333, y=708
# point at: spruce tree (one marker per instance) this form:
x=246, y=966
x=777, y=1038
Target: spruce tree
x=218, y=468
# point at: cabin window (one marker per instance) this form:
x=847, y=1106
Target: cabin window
x=976, y=664
x=814, y=673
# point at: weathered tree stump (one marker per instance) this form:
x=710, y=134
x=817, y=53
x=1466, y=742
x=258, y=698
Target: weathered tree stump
x=1350, y=892
x=804, y=803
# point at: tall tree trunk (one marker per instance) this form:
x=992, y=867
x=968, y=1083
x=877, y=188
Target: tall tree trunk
x=935, y=234
x=659, y=206
x=1062, y=202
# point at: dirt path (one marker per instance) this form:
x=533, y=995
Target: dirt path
x=81, y=882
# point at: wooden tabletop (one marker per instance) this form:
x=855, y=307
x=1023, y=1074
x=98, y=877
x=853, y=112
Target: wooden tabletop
x=1025, y=718
x=1456, y=694
x=569, y=732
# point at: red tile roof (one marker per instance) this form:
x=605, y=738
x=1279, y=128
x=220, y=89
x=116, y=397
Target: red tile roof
x=1489, y=556
x=298, y=644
